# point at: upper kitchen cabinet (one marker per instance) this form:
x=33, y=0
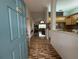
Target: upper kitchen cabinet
x=72, y=20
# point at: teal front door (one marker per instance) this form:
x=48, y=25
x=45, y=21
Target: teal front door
x=13, y=42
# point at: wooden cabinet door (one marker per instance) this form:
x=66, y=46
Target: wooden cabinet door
x=73, y=21
x=68, y=21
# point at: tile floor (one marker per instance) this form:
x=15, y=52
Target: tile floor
x=40, y=48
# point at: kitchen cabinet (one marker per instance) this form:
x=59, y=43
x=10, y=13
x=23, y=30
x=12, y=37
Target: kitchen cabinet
x=71, y=20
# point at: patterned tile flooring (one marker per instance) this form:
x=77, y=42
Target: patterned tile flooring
x=40, y=48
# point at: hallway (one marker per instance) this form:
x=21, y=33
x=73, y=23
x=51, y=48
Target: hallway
x=40, y=48
x=54, y=22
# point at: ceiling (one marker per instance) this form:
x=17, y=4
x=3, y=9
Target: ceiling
x=65, y=5
x=39, y=5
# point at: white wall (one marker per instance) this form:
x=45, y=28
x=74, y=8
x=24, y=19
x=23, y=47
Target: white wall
x=32, y=27
x=29, y=23
x=65, y=43
x=28, y=27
